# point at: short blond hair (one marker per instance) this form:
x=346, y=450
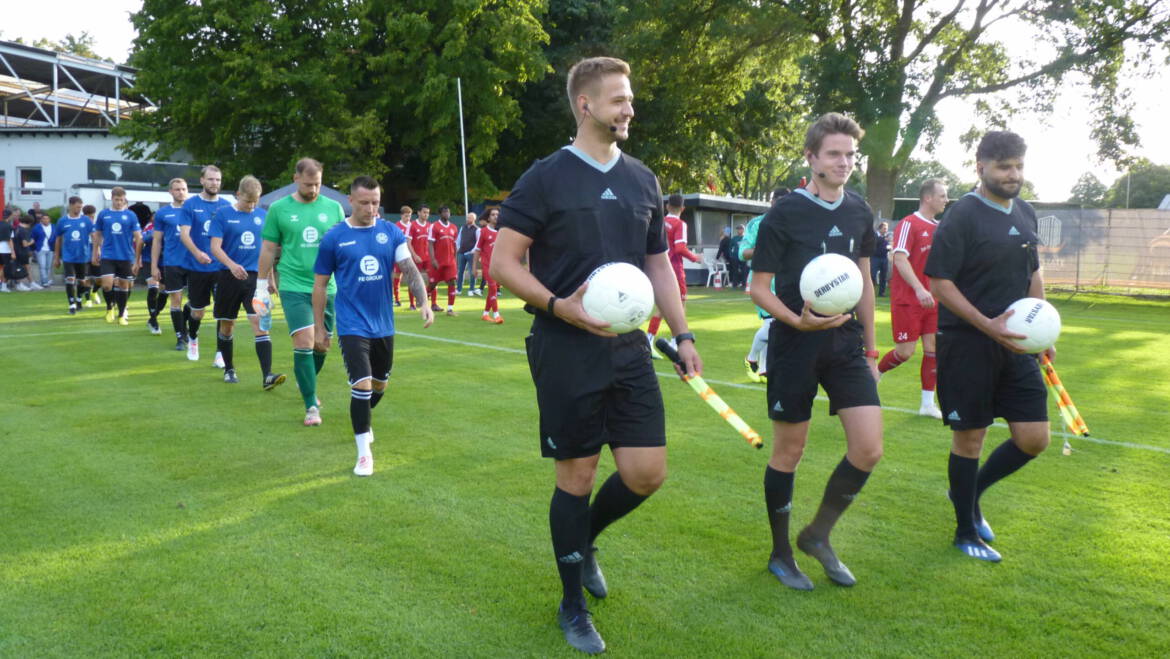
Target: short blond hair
x=309, y=166
x=586, y=74
x=249, y=187
x=118, y=191
x=209, y=169
x=175, y=180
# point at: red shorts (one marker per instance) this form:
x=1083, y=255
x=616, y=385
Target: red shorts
x=439, y=273
x=911, y=321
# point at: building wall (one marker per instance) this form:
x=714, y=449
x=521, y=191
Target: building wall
x=62, y=158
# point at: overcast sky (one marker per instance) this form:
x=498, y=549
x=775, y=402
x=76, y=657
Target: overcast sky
x=1060, y=147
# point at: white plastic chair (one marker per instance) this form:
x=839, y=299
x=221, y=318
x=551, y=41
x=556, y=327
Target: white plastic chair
x=717, y=274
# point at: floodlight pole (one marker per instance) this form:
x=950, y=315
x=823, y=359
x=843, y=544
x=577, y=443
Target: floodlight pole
x=462, y=142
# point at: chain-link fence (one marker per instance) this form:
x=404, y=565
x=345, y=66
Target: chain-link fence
x=1109, y=250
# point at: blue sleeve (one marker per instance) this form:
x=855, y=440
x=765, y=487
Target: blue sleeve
x=216, y=224
x=185, y=216
x=326, y=262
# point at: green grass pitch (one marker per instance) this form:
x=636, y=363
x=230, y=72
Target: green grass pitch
x=146, y=508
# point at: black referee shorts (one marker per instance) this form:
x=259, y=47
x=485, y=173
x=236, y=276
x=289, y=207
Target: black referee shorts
x=799, y=361
x=367, y=359
x=978, y=380
x=199, y=285
x=593, y=390
x=232, y=293
x=119, y=268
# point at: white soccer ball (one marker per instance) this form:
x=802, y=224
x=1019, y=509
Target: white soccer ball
x=621, y=295
x=1036, y=319
x=832, y=283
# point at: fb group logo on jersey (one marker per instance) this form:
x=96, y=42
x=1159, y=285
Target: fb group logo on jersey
x=257, y=220
x=310, y=234
x=247, y=239
x=116, y=227
x=369, y=265
x=206, y=227
x=382, y=238
x=322, y=217
x=76, y=235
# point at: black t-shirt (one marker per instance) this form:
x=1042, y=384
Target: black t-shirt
x=5, y=231
x=989, y=253
x=800, y=227
x=581, y=214
x=21, y=235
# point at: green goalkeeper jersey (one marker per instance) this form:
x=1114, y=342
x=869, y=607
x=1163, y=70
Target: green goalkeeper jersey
x=298, y=228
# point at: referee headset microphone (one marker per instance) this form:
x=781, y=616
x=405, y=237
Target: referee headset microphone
x=611, y=127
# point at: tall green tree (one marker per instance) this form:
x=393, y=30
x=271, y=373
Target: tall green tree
x=1088, y=191
x=890, y=64
x=1144, y=185
x=366, y=86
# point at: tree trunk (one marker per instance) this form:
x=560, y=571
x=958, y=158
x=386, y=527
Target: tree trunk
x=879, y=185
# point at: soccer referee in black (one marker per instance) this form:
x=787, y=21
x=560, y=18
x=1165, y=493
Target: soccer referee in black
x=806, y=350
x=984, y=257
x=581, y=207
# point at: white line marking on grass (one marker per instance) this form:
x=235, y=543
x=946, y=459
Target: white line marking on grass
x=756, y=387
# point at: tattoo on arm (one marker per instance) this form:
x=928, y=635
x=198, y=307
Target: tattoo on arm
x=413, y=278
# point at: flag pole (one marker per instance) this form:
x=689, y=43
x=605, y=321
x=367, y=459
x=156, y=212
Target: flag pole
x=462, y=142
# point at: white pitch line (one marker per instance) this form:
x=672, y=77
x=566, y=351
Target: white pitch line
x=756, y=387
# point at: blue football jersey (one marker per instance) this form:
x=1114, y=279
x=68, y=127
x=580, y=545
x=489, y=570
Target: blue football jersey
x=74, y=233
x=197, y=214
x=166, y=225
x=240, y=232
x=362, y=260
x=117, y=229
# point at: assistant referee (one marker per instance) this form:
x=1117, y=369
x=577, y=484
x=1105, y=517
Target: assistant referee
x=581, y=207
x=983, y=258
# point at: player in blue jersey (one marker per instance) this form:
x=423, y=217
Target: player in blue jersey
x=194, y=224
x=235, y=242
x=168, y=256
x=116, y=241
x=72, y=250
x=88, y=288
x=361, y=253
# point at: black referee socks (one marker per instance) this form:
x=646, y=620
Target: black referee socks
x=842, y=487
x=613, y=501
x=962, y=473
x=1004, y=461
x=778, y=497
x=568, y=519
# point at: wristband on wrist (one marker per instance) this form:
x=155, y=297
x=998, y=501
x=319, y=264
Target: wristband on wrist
x=552, y=300
x=261, y=284
x=872, y=354
x=685, y=336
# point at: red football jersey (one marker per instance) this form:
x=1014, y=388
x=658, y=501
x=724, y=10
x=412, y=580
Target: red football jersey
x=444, y=238
x=418, y=240
x=485, y=245
x=676, y=239
x=913, y=238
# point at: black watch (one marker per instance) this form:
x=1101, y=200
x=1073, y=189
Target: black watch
x=685, y=336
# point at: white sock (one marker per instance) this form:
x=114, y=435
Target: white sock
x=759, y=343
x=928, y=398
x=762, y=369
x=363, y=444
x=495, y=314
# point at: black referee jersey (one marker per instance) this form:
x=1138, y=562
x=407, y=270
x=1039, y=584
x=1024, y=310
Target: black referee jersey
x=800, y=227
x=581, y=214
x=988, y=251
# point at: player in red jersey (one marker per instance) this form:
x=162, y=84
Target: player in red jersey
x=484, y=247
x=676, y=238
x=441, y=243
x=913, y=310
x=418, y=244
x=403, y=225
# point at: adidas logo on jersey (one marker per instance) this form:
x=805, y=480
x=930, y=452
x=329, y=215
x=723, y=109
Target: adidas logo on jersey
x=1013, y=232
x=608, y=194
x=953, y=416
x=835, y=232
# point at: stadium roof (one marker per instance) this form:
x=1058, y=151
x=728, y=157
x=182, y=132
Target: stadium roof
x=42, y=88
